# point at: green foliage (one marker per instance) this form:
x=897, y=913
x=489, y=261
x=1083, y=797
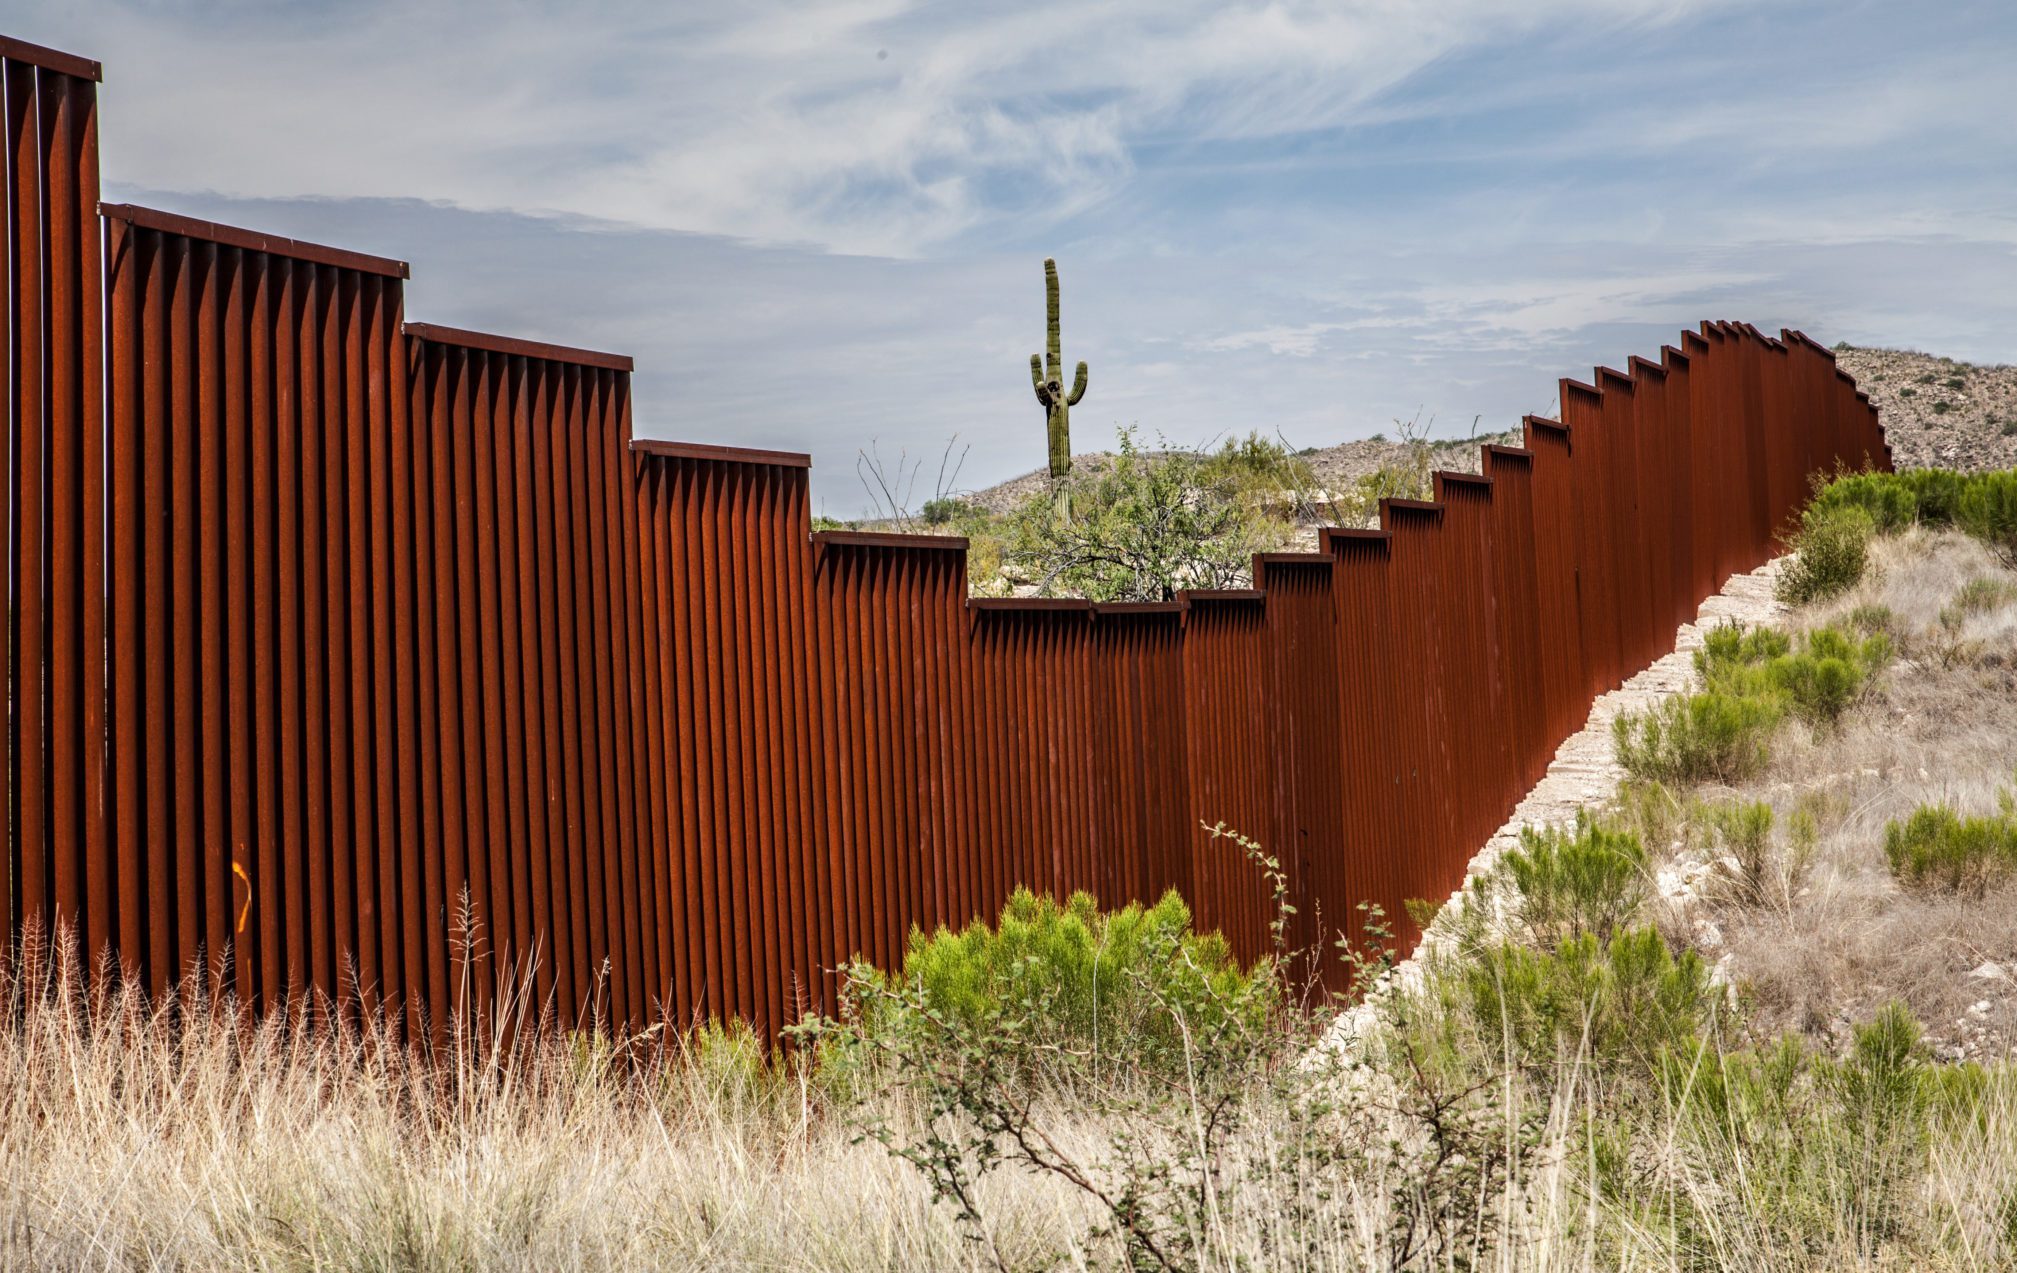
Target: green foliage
x=1745, y=829
x=1987, y=509
x=1982, y=595
x=1626, y=999
x=1150, y=524
x=1942, y=407
x=1070, y=980
x=1587, y=880
x=1692, y=738
x=1936, y=493
x=1936, y=848
x=1818, y=1145
x=1831, y=550
x=1883, y=1099
x=945, y=510
x=1870, y=620
x=1815, y=680
x=1955, y=382
x=1887, y=500
x=1981, y=504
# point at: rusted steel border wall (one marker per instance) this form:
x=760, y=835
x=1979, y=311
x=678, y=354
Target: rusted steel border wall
x=375, y=666
x=53, y=816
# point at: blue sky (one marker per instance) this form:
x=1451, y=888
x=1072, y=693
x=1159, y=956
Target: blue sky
x=819, y=224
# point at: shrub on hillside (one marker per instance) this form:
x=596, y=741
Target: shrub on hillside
x=1815, y=678
x=1936, y=493
x=1585, y=880
x=1937, y=848
x=1831, y=550
x=1057, y=983
x=1626, y=999
x=1711, y=736
x=1981, y=504
x=1149, y=524
x=1987, y=509
x=1821, y=1144
x=1888, y=501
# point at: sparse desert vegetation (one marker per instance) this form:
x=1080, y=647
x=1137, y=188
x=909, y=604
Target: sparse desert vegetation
x=1145, y=521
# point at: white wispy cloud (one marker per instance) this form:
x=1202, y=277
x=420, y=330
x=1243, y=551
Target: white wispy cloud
x=872, y=126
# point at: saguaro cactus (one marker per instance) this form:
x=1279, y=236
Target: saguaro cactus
x=1050, y=385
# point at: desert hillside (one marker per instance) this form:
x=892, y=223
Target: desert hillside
x=1939, y=413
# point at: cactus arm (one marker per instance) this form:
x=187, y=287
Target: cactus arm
x=1037, y=380
x=1078, y=387
x=1056, y=346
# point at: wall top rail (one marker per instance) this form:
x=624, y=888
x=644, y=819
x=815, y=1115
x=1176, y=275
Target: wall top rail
x=252, y=240
x=1122, y=609
x=1390, y=506
x=1329, y=535
x=1292, y=559
x=1508, y=452
x=512, y=345
x=1223, y=595
x=669, y=450
x=1455, y=477
x=1543, y=422
x=51, y=59
x=1077, y=605
x=886, y=539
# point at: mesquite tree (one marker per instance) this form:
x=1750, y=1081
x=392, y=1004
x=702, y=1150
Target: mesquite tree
x=1050, y=384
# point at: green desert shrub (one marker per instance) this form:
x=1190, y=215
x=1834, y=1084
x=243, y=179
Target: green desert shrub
x=945, y=510
x=1987, y=509
x=1938, y=849
x=1831, y=550
x=1059, y=982
x=1148, y=524
x=1981, y=504
x=1981, y=595
x=1936, y=493
x=1620, y=1002
x=1588, y=879
x=1815, y=677
x=1870, y=620
x=1819, y=1144
x=1888, y=501
x=1828, y=672
x=1711, y=736
x=1744, y=827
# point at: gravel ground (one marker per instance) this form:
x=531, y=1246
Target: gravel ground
x=1939, y=413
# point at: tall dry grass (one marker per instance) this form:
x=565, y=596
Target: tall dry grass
x=181, y=1135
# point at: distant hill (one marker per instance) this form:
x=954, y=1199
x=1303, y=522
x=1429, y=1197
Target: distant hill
x=1939, y=413
x=1336, y=468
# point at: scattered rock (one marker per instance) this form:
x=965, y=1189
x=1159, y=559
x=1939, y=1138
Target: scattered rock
x=1928, y=418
